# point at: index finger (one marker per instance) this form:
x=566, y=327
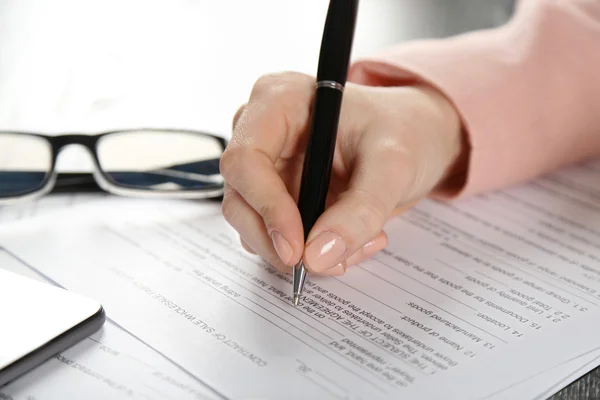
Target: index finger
x=270, y=127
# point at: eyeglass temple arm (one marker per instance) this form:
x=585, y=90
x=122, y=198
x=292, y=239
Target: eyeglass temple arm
x=85, y=182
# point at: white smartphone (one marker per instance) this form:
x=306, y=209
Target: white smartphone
x=38, y=321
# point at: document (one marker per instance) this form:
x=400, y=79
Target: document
x=473, y=298
x=45, y=204
x=545, y=385
x=109, y=364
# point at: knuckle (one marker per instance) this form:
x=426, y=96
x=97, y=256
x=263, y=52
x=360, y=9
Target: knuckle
x=268, y=82
x=279, y=83
x=229, y=206
x=287, y=95
x=227, y=162
x=234, y=161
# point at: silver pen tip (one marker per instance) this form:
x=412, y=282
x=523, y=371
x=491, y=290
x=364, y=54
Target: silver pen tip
x=298, y=281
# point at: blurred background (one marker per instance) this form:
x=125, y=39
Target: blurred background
x=88, y=66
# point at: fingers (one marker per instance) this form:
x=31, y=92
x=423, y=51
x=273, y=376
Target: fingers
x=358, y=216
x=249, y=225
x=378, y=243
x=394, y=146
x=398, y=156
x=271, y=126
x=372, y=247
x=368, y=250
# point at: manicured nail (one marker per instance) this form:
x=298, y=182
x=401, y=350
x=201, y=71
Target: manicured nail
x=324, y=252
x=367, y=250
x=282, y=247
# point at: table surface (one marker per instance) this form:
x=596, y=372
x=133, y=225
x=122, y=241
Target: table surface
x=146, y=62
x=588, y=388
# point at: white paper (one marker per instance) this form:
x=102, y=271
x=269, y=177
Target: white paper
x=49, y=203
x=467, y=299
x=109, y=364
x=559, y=376
x=528, y=370
x=62, y=375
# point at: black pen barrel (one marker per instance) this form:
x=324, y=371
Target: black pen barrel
x=336, y=45
x=317, y=168
x=334, y=60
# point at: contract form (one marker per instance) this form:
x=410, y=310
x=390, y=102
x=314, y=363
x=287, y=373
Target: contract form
x=46, y=204
x=473, y=297
x=109, y=364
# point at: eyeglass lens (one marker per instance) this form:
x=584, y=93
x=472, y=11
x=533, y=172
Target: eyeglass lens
x=157, y=160
x=25, y=164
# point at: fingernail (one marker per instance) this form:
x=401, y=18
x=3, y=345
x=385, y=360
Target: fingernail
x=282, y=247
x=324, y=252
x=367, y=251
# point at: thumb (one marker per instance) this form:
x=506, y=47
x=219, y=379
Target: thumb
x=396, y=158
x=359, y=214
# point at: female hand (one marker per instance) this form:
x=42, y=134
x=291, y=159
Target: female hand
x=394, y=146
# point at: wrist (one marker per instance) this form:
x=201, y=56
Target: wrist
x=455, y=136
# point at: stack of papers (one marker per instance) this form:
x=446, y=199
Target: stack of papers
x=494, y=297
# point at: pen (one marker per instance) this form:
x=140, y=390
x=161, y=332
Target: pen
x=334, y=60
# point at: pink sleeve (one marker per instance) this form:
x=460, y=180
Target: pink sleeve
x=528, y=92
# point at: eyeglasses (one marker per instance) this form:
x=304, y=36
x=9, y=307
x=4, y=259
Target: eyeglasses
x=137, y=162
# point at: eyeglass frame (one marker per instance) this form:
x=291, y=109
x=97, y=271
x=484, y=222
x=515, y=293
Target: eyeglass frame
x=90, y=143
